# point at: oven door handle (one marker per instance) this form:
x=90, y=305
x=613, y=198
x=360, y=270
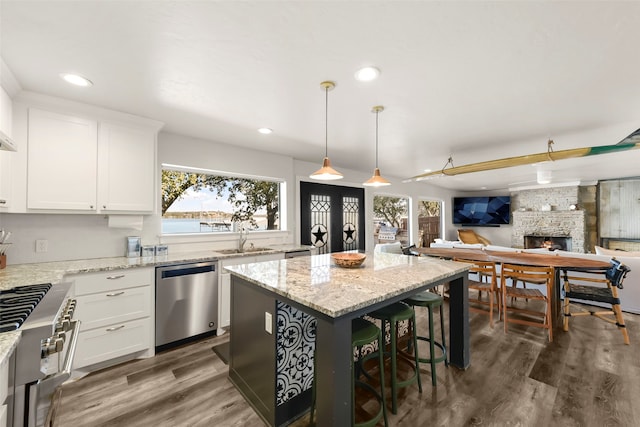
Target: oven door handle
x=48, y=384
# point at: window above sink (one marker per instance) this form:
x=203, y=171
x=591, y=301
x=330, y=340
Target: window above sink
x=199, y=201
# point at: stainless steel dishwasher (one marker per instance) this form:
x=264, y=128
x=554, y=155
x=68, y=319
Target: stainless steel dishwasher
x=186, y=302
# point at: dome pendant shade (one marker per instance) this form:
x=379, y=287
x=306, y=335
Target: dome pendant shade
x=326, y=172
x=376, y=180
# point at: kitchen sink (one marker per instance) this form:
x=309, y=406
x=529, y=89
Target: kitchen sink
x=245, y=251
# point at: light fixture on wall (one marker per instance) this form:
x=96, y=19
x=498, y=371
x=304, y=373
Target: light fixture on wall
x=376, y=180
x=326, y=172
x=544, y=176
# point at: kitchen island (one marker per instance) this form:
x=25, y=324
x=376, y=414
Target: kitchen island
x=272, y=302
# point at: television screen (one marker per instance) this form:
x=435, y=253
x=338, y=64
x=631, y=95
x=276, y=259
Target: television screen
x=493, y=210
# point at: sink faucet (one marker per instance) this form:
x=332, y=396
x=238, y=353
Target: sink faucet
x=242, y=238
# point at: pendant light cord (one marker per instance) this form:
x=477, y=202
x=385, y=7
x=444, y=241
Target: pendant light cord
x=377, y=112
x=326, y=121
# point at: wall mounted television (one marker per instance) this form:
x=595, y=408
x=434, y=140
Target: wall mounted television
x=482, y=211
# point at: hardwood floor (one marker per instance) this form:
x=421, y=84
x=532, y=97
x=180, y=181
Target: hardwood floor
x=586, y=377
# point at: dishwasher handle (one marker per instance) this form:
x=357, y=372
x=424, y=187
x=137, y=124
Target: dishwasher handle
x=187, y=271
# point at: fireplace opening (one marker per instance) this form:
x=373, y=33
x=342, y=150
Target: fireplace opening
x=551, y=243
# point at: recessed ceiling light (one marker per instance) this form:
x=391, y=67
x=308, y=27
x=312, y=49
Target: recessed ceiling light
x=76, y=79
x=427, y=170
x=367, y=74
x=265, y=131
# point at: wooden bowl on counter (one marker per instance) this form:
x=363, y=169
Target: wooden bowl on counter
x=348, y=260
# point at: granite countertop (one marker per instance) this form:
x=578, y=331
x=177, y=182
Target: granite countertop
x=318, y=283
x=8, y=343
x=54, y=272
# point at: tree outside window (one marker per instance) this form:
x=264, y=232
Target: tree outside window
x=206, y=203
x=391, y=219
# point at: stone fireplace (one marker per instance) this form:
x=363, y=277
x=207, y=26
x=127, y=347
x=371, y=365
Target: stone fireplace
x=561, y=226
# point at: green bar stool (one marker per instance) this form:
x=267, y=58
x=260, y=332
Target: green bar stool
x=363, y=332
x=393, y=314
x=431, y=301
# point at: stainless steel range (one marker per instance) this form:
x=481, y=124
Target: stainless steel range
x=44, y=356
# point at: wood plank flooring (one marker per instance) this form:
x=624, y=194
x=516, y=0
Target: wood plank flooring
x=586, y=377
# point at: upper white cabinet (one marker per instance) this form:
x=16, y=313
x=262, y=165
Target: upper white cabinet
x=126, y=168
x=6, y=118
x=61, y=162
x=78, y=163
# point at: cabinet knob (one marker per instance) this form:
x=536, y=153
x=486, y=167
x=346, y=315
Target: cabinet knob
x=104, y=206
x=90, y=206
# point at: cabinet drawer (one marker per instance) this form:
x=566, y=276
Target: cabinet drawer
x=106, y=281
x=106, y=308
x=105, y=343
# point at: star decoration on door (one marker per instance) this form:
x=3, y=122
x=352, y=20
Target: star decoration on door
x=318, y=235
x=348, y=233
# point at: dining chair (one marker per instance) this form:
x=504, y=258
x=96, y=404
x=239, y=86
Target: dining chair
x=482, y=278
x=513, y=312
x=599, y=286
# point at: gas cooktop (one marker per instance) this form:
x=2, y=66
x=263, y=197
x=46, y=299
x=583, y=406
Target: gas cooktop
x=16, y=304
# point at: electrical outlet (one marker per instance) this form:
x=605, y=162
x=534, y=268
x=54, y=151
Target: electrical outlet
x=268, y=322
x=42, y=245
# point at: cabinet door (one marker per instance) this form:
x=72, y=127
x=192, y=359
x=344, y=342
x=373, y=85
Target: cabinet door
x=62, y=161
x=5, y=180
x=106, y=343
x=126, y=168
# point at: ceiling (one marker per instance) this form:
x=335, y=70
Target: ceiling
x=472, y=80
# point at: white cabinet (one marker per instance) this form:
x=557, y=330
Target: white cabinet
x=5, y=180
x=61, y=161
x=6, y=117
x=4, y=390
x=116, y=311
x=224, y=283
x=126, y=168
x=83, y=164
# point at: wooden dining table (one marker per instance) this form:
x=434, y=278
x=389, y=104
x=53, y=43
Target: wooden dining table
x=552, y=259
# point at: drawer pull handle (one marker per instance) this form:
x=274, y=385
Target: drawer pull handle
x=3, y=202
x=115, y=328
x=120, y=276
x=115, y=294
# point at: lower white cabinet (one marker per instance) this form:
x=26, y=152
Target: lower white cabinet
x=109, y=342
x=224, y=283
x=4, y=388
x=116, y=311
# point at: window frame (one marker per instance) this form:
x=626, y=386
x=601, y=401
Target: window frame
x=222, y=235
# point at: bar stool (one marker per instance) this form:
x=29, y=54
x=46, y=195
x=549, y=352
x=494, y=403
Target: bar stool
x=431, y=301
x=363, y=332
x=393, y=314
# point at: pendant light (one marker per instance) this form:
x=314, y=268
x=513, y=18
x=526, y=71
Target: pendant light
x=376, y=180
x=326, y=172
